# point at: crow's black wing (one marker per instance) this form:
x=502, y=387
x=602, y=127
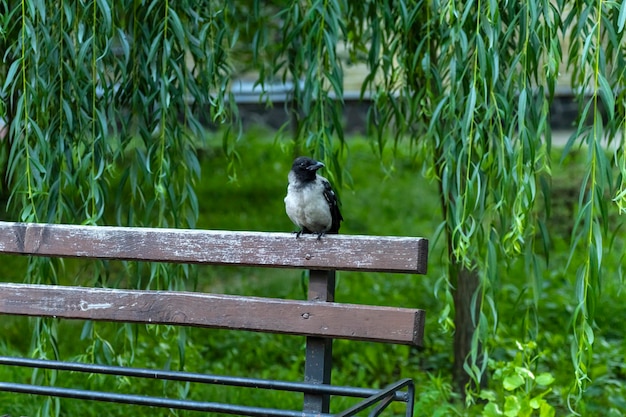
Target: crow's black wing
x=331, y=198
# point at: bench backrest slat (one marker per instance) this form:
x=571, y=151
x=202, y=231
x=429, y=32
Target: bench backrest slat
x=332, y=252
x=334, y=320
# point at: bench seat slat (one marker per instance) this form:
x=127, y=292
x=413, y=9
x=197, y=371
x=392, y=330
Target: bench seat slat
x=341, y=252
x=307, y=318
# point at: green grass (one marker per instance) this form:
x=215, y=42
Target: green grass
x=382, y=198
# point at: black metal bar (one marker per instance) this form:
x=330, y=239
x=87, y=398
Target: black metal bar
x=318, y=363
x=410, y=404
x=384, y=403
x=303, y=387
x=385, y=396
x=380, y=396
x=153, y=401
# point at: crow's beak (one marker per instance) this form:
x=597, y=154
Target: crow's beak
x=315, y=167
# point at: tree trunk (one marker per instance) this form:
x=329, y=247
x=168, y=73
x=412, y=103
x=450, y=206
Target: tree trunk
x=465, y=284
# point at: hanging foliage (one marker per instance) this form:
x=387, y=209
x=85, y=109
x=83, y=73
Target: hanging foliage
x=105, y=101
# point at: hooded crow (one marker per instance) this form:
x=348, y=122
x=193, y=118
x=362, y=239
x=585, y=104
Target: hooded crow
x=310, y=202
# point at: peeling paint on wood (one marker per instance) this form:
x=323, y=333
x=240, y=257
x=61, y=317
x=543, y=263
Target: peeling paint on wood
x=314, y=317
x=86, y=306
x=282, y=250
x=306, y=318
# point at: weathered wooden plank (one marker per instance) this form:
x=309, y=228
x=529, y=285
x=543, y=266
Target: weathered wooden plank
x=342, y=252
x=307, y=318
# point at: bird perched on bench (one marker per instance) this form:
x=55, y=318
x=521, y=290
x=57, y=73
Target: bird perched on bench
x=311, y=203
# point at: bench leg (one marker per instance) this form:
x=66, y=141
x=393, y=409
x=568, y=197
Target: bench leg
x=319, y=350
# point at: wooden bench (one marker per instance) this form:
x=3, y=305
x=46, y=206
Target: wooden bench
x=319, y=318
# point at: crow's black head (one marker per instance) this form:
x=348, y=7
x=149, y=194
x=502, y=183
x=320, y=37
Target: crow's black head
x=305, y=168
